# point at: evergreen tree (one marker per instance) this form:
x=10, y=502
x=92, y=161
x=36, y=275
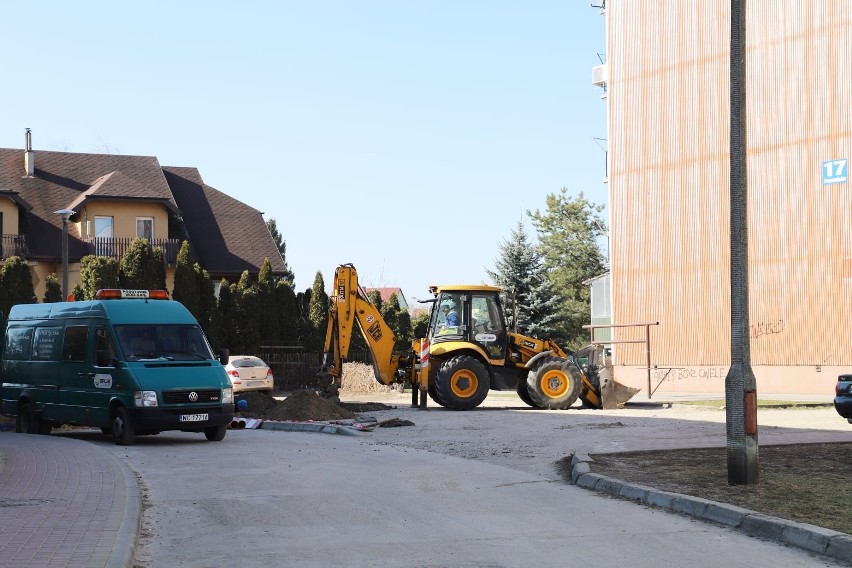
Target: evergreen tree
x=206, y=297
x=286, y=312
x=52, y=289
x=400, y=323
x=224, y=327
x=186, y=290
x=318, y=312
x=248, y=306
x=270, y=324
x=520, y=271
x=16, y=284
x=282, y=249
x=142, y=267
x=96, y=273
x=568, y=232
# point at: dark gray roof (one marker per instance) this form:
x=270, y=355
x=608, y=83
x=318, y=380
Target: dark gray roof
x=227, y=235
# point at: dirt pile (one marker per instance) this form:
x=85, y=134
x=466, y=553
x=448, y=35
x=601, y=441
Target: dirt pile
x=299, y=406
x=359, y=378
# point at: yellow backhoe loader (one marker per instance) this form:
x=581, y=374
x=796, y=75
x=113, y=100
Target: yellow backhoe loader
x=467, y=351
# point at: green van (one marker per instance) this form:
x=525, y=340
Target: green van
x=130, y=362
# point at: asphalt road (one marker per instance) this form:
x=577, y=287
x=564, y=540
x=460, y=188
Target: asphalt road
x=462, y=489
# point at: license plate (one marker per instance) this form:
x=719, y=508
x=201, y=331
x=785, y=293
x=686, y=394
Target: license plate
x=194, y=417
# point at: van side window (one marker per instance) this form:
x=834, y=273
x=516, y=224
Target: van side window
x=74, y=347
x=105, y=349
x=18, y=342
x=46, y=344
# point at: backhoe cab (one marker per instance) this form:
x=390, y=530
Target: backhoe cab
x=467, y=351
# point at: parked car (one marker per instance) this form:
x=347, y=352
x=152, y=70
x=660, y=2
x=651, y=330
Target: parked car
x=843, y=397
x=249, y=373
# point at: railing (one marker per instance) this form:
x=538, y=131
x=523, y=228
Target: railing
x=13, y=245
x=115, y=248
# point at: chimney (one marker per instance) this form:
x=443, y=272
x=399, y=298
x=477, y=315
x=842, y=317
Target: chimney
x=29, y=156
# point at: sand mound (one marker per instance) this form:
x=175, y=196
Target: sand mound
x=359, y=378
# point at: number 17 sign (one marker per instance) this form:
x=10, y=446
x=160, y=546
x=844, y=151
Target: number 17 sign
x=835, y=171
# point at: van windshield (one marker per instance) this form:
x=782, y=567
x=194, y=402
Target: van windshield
x=169, y=342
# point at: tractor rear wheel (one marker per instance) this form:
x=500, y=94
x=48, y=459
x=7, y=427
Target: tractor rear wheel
x=554, y=383
x=462, y=383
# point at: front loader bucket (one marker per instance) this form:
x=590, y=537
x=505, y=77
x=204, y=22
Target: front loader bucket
x=613, y=393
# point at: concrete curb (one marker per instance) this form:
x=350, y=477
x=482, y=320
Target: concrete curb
x=123, y=551
x=319, y=427
x=831, y=543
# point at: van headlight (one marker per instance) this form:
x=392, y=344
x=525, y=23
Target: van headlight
x=227, y=396
x=145, y=398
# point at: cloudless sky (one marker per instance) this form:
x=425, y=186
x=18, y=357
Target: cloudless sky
x=407, y=138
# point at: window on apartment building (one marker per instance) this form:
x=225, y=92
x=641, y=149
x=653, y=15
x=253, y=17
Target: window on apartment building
x=145, y=228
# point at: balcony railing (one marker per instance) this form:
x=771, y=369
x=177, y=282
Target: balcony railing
x=12, y=245
x=115, y=248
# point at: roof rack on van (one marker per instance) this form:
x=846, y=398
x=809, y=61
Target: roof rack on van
x=116, y=293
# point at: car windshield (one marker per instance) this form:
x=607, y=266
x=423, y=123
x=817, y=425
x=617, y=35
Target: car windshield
x=167, y=342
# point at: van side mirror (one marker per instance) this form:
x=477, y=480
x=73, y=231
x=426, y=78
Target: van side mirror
x=224, y=356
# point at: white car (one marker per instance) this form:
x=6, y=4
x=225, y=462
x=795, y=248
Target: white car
x=249, y=373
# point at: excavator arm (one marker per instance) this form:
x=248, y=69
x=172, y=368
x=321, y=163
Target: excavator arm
x=349, y=310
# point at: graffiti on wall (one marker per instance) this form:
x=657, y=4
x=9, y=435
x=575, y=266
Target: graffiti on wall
x=763, y=328
x=661, y=375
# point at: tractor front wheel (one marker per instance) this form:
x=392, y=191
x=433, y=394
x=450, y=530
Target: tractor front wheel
x=462, y=383
x=554, y=383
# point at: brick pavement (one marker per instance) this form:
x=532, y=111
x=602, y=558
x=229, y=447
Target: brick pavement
x=65, y=503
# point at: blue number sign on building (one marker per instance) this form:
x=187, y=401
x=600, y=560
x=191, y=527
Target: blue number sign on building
x=835, y=171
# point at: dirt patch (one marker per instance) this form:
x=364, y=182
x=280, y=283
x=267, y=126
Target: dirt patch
x=808, y=483
x=300, y=405
x=359, y=378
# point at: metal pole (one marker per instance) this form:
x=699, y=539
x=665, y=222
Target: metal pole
x=64, y=257
x=740, y=383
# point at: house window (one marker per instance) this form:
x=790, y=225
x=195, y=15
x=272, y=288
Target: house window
x=103, y=236
x=103, y=227
x=145, y=228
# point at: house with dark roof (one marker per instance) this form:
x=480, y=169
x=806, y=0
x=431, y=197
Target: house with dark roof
x=114, y=199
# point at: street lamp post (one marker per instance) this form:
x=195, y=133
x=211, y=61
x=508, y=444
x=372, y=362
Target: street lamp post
x=65, y=214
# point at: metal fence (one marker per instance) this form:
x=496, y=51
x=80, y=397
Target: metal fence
x=115, y=247
x=295, y=369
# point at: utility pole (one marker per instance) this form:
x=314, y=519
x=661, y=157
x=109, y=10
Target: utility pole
x=740, y=384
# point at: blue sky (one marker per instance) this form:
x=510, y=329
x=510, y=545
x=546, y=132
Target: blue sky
x=407, y=138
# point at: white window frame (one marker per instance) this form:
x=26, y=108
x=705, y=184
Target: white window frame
x=143, y=219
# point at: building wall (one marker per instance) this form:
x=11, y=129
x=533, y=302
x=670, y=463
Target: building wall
x=124, y=215
x=669, y=126
x=9, y=209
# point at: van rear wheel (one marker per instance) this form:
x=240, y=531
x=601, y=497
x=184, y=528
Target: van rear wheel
x=216, y=433
x=122, y=429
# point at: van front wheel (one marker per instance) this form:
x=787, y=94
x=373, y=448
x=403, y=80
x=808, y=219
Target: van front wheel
x=122, y=429
x=216, y=433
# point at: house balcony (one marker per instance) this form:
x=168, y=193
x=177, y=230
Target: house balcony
x=13, y=245
x=115, y=248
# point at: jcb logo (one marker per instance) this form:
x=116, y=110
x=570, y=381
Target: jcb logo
x=341, y=290
x=375, y=331
x=529, y=344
